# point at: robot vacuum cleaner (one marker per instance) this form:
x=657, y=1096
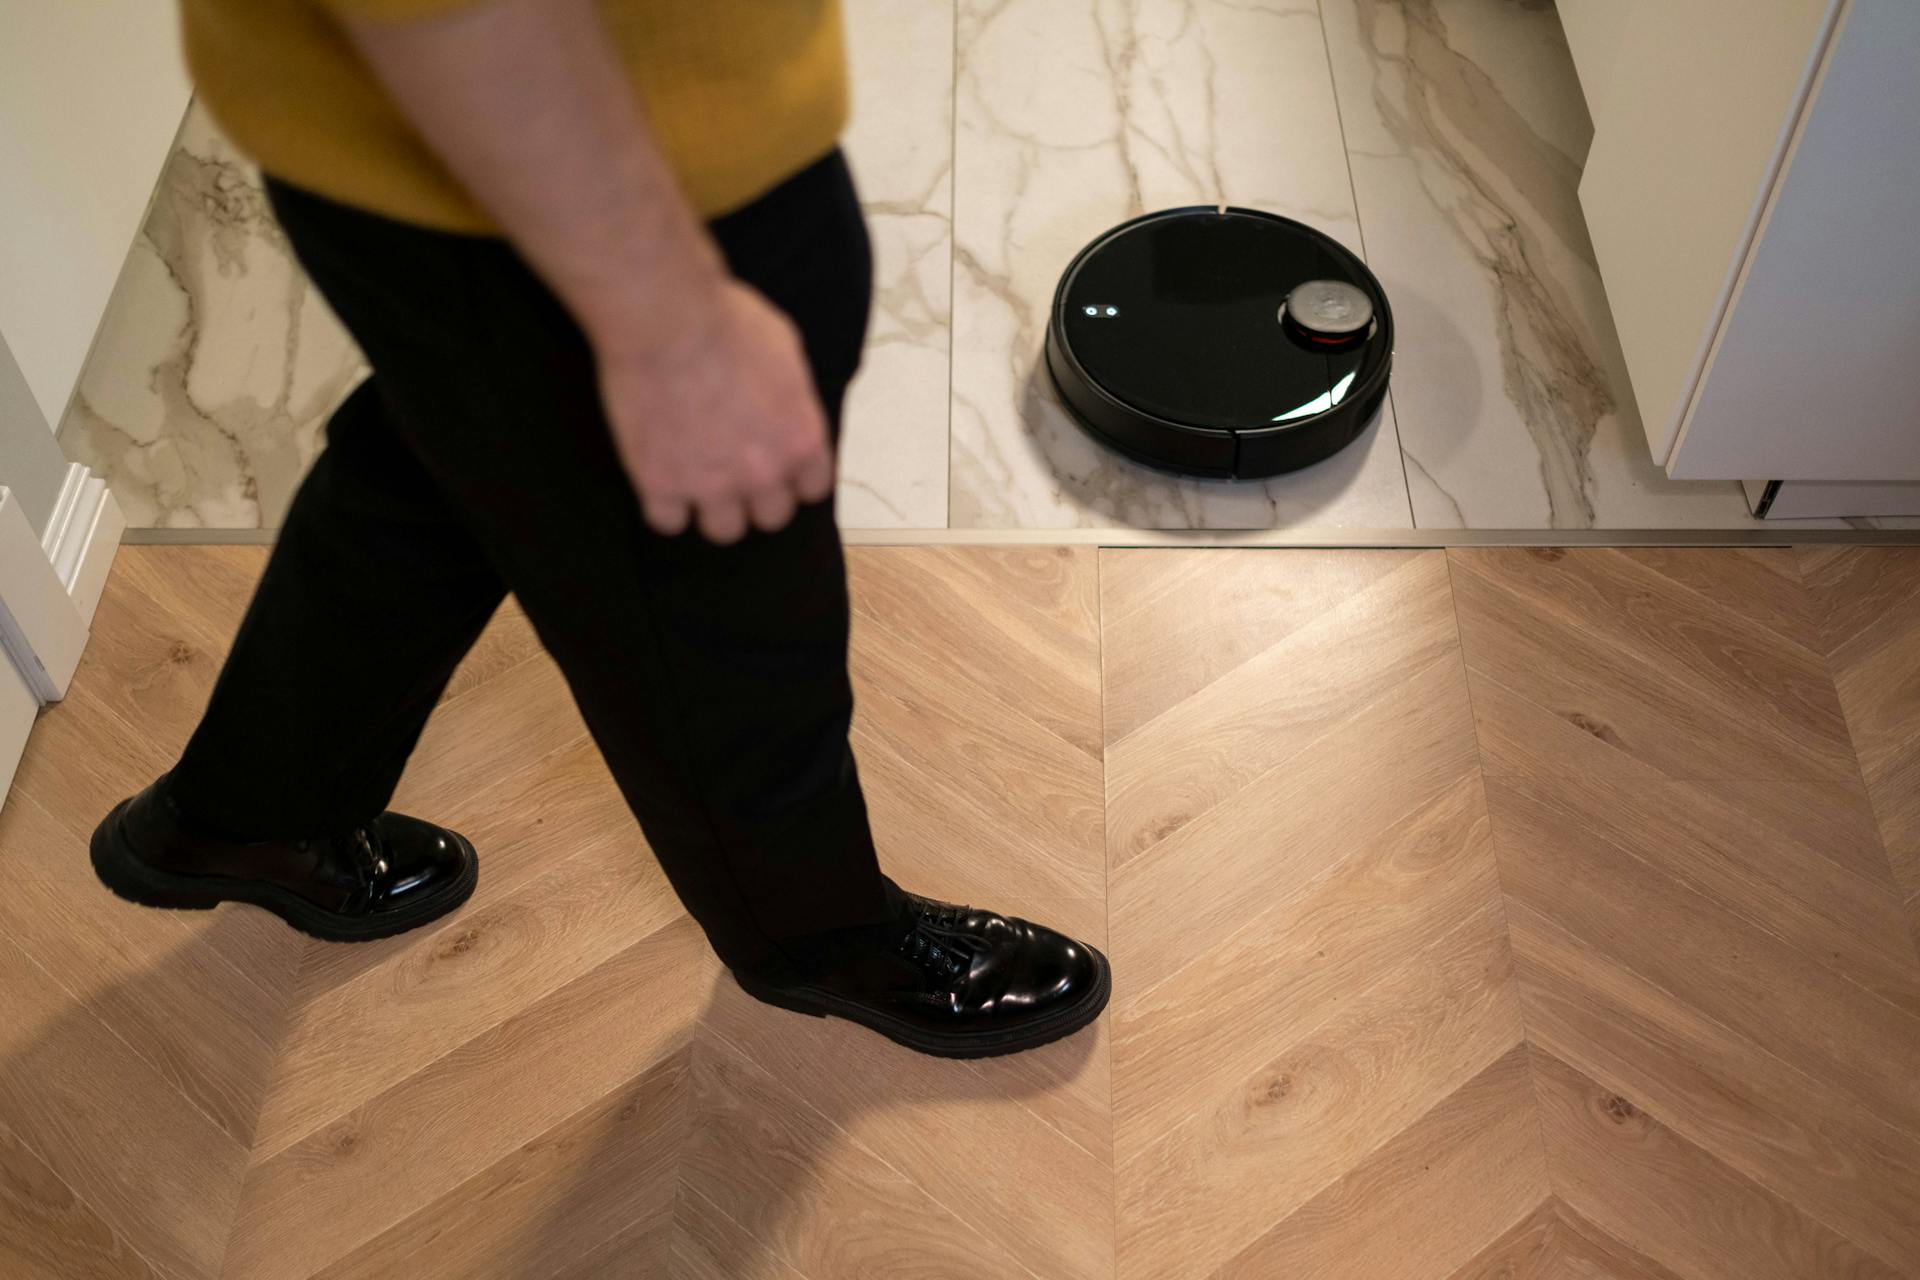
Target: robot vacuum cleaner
x=1220, y=342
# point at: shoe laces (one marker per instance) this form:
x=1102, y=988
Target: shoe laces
x=367, y=847
x=929, y=942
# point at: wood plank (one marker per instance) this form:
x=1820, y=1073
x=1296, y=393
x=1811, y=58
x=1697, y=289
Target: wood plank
x=1871, y=606
x=1291, y=827
x=823, y=1203
x=1555, y=1243
x=1248, y=1158
x=456, y=980
x=1425, y=1203
x=521, y=715
x=154, y=669
x=916, y=1113
x=48, y=1233
x=552, y=1205
x=208, y=588
x=1519, y=736
x=83, y=759
x=1809, y=1144
x=1852, y=589
x=1719, y=962
x=708, y=1245
x=1636, y=1179
x=107, y=1125
x=1757, y=665
x=642, y=1252
x=1017, y=624
x=253, y=943
x=1199, y=753
x=1722, y=840
x=1683, y=690
x=1174, y=620
x=176, y=1004
x=522, y=824
x=308, y=1205
x=959, y=761
x=508, y=641
x=1759, y=588
x=1284, y=971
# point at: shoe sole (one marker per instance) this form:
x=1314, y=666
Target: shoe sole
x=133, y=880
x=819, y=1003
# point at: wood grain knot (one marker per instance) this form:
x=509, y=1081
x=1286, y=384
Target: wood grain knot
x=1619, y=1108
x=463, y=942
x=1598, y=728
x=1268, y=1092
x=180, y=654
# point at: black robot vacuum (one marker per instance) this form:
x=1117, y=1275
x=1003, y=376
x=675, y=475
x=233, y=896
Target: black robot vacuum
x=1220, y=342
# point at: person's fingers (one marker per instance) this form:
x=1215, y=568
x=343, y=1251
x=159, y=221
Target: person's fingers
x=667, y=515
x=771, y=508
x=813, y=475
x=723, y=519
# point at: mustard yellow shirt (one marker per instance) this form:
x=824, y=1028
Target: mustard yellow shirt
x=740, y=94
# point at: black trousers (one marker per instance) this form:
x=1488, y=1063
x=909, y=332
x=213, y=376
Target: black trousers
x=476, y=461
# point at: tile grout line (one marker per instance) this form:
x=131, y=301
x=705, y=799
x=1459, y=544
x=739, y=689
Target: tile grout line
x=1360, y=229
x=953, y=270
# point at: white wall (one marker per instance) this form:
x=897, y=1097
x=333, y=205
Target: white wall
x=91, y=94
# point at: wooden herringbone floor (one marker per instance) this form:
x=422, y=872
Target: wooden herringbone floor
x=1505, y=913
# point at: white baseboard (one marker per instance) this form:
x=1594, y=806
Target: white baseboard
x=82, y=537
x=18, y=707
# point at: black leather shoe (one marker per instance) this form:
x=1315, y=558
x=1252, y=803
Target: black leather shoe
x=396, y=873
x=957, y=983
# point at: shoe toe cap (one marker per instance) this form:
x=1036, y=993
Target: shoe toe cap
x=1049, y=970
x=425, y=860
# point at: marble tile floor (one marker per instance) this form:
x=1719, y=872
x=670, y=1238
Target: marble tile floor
x=1442, y=139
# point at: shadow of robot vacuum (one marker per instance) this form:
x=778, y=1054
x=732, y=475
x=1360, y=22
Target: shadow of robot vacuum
x=1220, y=342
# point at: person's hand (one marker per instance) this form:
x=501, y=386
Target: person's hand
x=720, y=424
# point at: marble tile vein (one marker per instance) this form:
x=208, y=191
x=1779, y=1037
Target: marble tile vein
x=1466, y=131
x=217, y=363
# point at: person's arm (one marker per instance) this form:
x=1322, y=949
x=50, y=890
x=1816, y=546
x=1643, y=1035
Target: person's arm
x=704, y=381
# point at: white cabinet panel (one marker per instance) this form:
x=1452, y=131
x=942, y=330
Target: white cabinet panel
x=1702, y=98
x=1595, y=31
x=1816, y=373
